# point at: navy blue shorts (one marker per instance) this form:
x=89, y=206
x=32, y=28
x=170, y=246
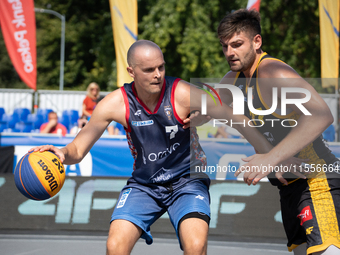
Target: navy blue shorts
x=143, y=205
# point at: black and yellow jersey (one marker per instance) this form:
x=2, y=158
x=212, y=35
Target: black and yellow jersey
x=275, y=127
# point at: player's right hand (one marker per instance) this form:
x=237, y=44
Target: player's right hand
x=195, y=119
x=52, y=148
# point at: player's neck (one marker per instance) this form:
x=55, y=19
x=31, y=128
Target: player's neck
x=149, y=99
x=250, y=71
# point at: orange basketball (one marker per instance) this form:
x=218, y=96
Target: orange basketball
x=39, y=175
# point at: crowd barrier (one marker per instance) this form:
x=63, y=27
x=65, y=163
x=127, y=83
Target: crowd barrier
x=11, y=99
x=56, y=100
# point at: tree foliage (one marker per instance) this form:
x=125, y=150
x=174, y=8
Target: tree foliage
x=290, y=31
x=89, y=48
x=185, y=30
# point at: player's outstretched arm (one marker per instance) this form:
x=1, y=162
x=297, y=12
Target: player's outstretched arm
x=309, y=127
x=188, y=98
x=196, y=119
x=111, y=108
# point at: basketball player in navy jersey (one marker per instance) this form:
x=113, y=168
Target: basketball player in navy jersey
x=310, y=207
x=152, y=110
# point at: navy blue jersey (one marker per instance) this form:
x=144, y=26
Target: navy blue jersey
x=162, y=149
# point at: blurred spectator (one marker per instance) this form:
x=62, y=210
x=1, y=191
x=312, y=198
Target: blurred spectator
x=111, y=129
x=81, y=123
x=53, y=126
x=91, y=99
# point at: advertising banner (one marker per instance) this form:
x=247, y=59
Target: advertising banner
x=86, y=204
x=17, y=20
x=254, y=4
x=111, y=157
x=125, y=29
x=91, y=191
x=329, y=11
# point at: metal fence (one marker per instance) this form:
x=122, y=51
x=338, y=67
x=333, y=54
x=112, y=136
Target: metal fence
x=11, y=99
x=56, y=100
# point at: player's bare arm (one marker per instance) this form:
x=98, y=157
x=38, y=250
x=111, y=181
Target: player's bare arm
x=309, y=127
x=196, y=119
x=188, y=98
x=111, y=108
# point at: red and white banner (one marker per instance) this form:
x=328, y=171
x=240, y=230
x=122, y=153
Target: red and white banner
x=17, y=20
x=254, y=4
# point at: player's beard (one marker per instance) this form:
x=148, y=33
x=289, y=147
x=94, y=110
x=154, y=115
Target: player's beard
x=246, y=62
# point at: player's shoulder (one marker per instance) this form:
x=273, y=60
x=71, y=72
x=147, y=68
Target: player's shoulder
x=231, y=75
x=182, y=86
x=112, y=107
x=275, y=68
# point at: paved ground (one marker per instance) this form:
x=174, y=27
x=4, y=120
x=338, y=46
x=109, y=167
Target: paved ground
x=39, y=244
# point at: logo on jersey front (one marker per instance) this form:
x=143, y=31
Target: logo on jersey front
x=142, y=123
x=168, y=111
x=138, y=113
x=172, y=130
x=269, y=136
x=199, y=197
x=162, y=175
x=305, y=215
x=164, y=153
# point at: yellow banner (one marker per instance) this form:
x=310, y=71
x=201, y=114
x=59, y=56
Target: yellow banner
x=329, y=11
x=124, y=25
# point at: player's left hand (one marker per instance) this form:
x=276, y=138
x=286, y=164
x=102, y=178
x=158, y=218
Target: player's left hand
x=292, y=165
x=195, y=119
x=256, y=169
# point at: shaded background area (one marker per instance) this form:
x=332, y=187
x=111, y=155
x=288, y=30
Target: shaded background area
x=185, y=31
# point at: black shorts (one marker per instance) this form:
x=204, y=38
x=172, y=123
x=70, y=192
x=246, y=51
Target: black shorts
x=311, y=212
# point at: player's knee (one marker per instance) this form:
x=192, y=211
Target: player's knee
x=114, y=246
x=111, y=245
x=196, y=246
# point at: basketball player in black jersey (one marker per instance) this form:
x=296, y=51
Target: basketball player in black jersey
x=310, y=207
x=152, y=110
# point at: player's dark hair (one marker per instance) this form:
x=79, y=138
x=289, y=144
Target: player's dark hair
x=243, y=20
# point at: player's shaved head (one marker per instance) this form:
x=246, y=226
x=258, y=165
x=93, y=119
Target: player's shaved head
x=143, y=45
